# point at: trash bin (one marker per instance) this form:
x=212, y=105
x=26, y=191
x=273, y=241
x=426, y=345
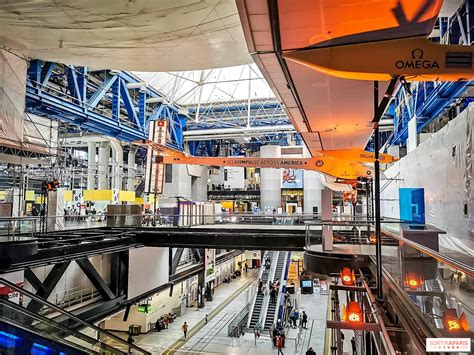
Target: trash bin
x=135, y=329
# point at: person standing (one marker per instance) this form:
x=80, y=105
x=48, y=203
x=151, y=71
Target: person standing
x=304, y=320
x=246, y=267
x=279, y=344
x=310, y=351
x=130, y=341
x=205, y=319
x=184, y=328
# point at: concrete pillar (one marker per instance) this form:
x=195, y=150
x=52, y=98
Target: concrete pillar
x=270, y=180
x=326, y=207
x=199, y=185
x=91, y=165
x=312, y=188
x=103, y=166
x=412, y=141
x=117, y=165
x=129, y=185
x=56, y=210
x=180, y=185
x=13, y=196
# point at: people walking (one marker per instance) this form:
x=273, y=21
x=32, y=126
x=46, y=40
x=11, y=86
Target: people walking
x=279, y=344
x=185, y=329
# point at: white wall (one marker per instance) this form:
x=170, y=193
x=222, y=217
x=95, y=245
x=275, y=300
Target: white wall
x=148, y=269
x=446, y=180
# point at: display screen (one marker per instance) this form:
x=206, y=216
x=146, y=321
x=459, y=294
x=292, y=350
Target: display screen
x=306, y=283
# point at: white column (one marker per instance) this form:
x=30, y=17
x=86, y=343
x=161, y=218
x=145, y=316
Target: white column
x=270, y=180
x=13, y=196
x=91, y=165
x=312, y=188
x=103, y=166
x=130, y=166
x=412, y=141
x=117, y=164
x=326, y=206
x=56, y=210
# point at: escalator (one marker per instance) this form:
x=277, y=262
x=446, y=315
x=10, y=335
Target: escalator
x=272, y=307
x=259, y=301
x=26, y=319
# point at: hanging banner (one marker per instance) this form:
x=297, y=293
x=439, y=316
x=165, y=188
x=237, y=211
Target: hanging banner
x=209, y=265
x=291, y=178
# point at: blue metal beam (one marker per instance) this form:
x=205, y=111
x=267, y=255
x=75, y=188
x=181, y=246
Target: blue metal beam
x=72, y=94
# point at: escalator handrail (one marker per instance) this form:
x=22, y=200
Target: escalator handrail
x=70, y=315
x=52, y=323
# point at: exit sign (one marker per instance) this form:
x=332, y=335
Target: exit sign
x=144, y=308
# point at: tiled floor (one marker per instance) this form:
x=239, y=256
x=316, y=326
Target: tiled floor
x=160, y=342
x=212, y=337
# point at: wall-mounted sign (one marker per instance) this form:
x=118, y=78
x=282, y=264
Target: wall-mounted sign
x=144, y=308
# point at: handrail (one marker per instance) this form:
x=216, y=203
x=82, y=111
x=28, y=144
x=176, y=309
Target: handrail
x=375, y=310
x=260, y=274
x=51, y=323
x=469, y=270
x=280, y=289
x=69, y=315
x=266, y=299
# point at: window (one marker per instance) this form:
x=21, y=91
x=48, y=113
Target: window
x=168, y=173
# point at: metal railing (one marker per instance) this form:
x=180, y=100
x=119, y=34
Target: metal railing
x=64, y=329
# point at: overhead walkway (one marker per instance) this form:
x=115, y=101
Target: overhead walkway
x=30, y=318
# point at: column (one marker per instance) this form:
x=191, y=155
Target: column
x=103, y=166
x=412, y=141
x=91, y=165
x=129, y=186
x=117, y=164
x=270, y=180
x=312, y=188
x=326, y=207
x=55, y=210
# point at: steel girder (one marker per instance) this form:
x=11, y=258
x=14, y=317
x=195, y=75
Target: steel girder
x=113, y=103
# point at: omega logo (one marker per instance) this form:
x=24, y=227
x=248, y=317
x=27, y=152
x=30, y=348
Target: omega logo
x=417, y=61
x=319, y=163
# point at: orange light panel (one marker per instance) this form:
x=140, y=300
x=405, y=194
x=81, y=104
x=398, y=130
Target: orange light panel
x=413, y=281
x=354, y=312
x=454, y=325
x=347, y=277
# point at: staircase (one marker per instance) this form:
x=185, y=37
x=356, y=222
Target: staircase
x=257, y=309
x=272, y=307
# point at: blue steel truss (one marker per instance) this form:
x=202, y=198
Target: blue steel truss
x=263, y=112
x=235, y=114
x=113, y=103
x=427, y=101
